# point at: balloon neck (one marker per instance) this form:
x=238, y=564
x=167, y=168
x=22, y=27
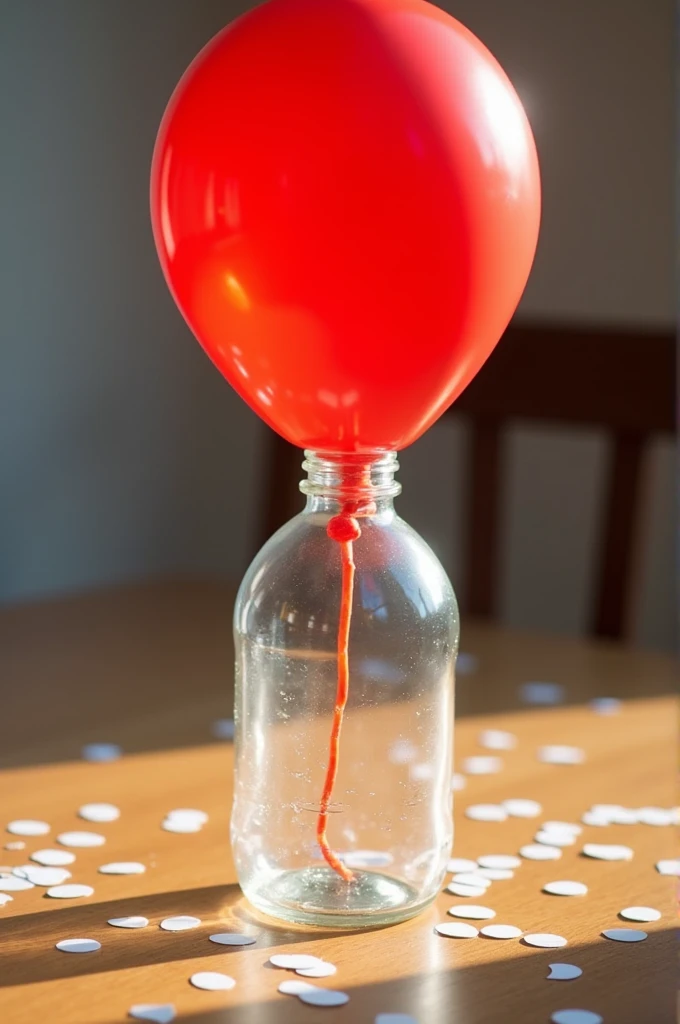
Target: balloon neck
x=359, y=485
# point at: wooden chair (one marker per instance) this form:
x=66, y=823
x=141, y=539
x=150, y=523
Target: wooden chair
x=618, y=380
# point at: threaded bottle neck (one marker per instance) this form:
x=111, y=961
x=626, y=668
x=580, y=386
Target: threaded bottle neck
x=350, y=477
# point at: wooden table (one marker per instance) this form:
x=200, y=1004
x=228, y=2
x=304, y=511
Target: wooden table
x=149, y=668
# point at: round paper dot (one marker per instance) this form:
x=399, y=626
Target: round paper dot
x=560, y=754
x=321, y=970
x=501, y=931
x=69, y=892
x=323, y=997
x=182, y=826
x=367, y=859
x=563, y=972
x=603, y=851
x=565, y=888
x=605, y=705
x=542, y=693
x=223, y=728
x=11, y=883
x=624, y=934
x=569, y=827
x=465, y=890
x=522, y=808
x=457, y=931
x=640, y=914
x=53, y=858
x=657, y=816
x=668, y=867
x=486, y=812
x=81, y=839
x=232, y=939
x=395, y=1018
x=129, y=922
x=123, y=867
x=78, y=945
x=101, y=752
x=576, y=1017
x=536, y=851
x=181, y=923
x=499, y=860
x=294, y=961
x=402, y=752
x=466, y=663
x=472, y=911
x=42, y=876
x=458, y=782
x=99, y=812
x=5, y=898
x=472, y=878
x=457, y=864
x=189, y=814
x=421, y=772
x=18, y=845
x=545, y=940
x=28, y=827
x=497, y=739
x=496, y=874
x=212, y=981
x=482, y=765
x=159, y=1013
x=594, y=820
x=293, y=987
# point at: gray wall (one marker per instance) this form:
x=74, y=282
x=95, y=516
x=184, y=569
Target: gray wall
x=122, y=452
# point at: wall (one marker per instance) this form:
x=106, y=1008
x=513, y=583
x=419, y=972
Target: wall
x=122, y=452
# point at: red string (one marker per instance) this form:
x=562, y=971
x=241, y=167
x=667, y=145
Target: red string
x=343, y=528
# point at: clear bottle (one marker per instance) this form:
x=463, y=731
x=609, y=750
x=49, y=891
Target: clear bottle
x=390, y=819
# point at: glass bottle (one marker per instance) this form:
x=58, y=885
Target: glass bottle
x=390, y=817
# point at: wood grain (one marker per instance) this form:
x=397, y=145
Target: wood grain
x=150, y=668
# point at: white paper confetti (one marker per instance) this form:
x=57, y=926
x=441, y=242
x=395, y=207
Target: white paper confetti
x=81, y=839
x=517, y=808
x=402, y=751
x=457, y=931
x=458, y=782
x=421, y=772
x=53, y=858
x=561, y=754
x=42, y=876
x=181, y=923
x=545, y=940
x=657, y=816
x=472, y=878
x=129, y=922
x=322, y=970
x=395, y=1018
x=233, y=939
x=323, y=997
x=69, y=892
x=497, y=739
x=499, y=860
x=294, y=987
x=78, y=945
x=472, y=912
x=367, y=859
x=159, y=1013
x=457, y=864
x=668, y=867
x=594, y=820
x=212, y=981
x=466, y=663
x=486, y=812
x=496, y=874
x=535, y=851
x=542, y=693
x=563, y=972
x=501, y=931
x=187, y=814
x=482, y=765
x=640, y=914
x=294, y=961
x=223, y=728
x=576, y=1017
x=551, y=837
x=17, y=845
x=123, y=867
x=604, y=851
x=5, y=898
x=28, y=827
x=465, y=890
x=565, y=888
x=99, y=812
x=101, y=753
x=182, y=826
x=10, y=883
x=624, y=934
x=562, y=826
x=605, y=705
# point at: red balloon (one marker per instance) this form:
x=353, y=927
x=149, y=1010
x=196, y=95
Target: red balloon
x=345, y=200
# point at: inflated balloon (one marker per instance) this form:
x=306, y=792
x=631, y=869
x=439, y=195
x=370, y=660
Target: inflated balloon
x=346, y=200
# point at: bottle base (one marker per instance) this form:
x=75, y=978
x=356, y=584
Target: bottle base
x=318, y=896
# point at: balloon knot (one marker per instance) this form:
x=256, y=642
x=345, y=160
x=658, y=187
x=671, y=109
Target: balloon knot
x=343, y=528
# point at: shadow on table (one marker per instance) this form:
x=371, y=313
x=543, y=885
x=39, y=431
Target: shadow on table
x=624, y=983
x=150, y=667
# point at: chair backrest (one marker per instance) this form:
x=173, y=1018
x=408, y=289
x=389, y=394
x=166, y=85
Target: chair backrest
x=621, y=381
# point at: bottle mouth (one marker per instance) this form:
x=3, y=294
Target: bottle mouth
x=346, y=476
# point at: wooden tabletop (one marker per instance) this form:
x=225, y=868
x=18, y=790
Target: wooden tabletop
x=149, y=668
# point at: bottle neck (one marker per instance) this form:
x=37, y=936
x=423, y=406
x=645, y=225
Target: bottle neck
x=334, y=480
